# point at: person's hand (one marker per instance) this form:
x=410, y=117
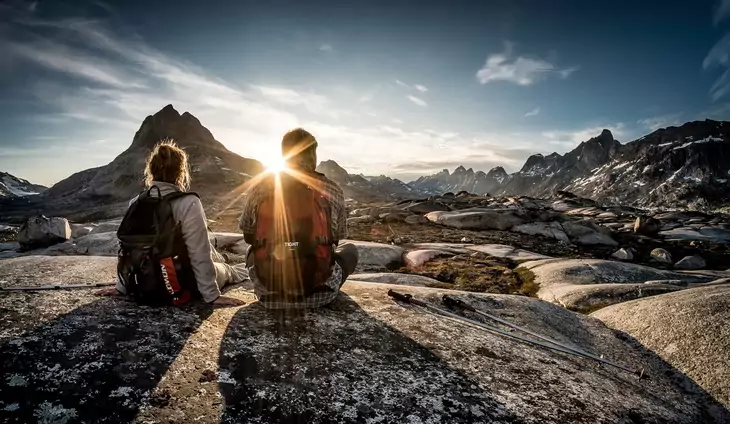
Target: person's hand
x=109, y=291
x=226, y=301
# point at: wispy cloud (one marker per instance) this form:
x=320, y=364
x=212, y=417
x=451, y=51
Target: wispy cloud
x=326, y=48
x=396, y=121
x=533, y=112
x=722, y=11
x=420, y=87
x=70, y=61
x=719, y=57
x=418, y=101
x=520, y=70
x=655, y=122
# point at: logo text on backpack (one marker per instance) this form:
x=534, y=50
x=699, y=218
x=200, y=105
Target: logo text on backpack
x=166, y=278
x=291, y=243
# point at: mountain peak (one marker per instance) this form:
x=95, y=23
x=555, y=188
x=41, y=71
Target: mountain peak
x=167, y=111
x=606, y=134
x=459, y=170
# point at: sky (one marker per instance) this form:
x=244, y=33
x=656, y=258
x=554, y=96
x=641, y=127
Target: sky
x=401, y=88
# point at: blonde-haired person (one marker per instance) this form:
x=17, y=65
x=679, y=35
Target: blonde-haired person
x=167, y=168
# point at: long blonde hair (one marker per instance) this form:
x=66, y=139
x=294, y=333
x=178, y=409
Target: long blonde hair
x=168, y=163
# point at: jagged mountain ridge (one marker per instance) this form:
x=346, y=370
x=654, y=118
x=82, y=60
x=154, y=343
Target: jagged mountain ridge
x=686, y=166
x=462, y=179
x=364, y=188
x=12, y=186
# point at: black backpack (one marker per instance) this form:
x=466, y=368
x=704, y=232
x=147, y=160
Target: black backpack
x=153, y=263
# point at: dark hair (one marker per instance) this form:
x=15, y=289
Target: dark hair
x=296, y=142
x=168, y=163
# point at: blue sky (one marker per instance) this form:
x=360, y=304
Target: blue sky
x=388, y=87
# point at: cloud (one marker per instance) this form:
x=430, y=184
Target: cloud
x=396, y=121
x=533, y=112
x=70, y=61
x=722, y=11
x=656, y=122
x=326, y=48
x=418, y=101
x=719, y=57
x=421, y=88
x=520, y=70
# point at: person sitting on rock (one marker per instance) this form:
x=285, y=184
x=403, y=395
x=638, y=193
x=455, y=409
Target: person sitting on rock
x=167, y=177
x=294, y=221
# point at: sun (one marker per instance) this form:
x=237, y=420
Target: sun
x=274, y=163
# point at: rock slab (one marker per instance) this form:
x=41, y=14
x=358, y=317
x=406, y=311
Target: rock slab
x=40, y=231
x=689, y=329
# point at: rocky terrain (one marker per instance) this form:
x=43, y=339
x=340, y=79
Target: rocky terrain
x=674, y=167
x=364, y=358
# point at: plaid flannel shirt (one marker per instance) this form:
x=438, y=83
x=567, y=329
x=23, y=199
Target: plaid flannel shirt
x=247, y=223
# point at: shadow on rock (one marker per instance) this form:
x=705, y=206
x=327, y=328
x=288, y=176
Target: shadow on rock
x=97, y=363
x=339, y=364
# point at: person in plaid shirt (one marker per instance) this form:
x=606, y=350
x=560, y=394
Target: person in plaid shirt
x=299, y=148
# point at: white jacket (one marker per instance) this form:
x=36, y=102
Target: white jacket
x=189, y=212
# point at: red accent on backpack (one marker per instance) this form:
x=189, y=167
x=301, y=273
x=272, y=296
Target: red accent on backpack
x=169, y=277
x=293, y=250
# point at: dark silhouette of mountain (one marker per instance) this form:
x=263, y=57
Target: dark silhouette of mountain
x=105, y=191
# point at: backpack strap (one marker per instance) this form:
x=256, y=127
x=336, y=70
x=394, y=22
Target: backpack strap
x=178, y=194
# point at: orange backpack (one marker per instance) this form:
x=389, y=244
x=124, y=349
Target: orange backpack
x=293, y=243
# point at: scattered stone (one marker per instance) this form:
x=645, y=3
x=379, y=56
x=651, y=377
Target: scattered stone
x=690, y=262
x=416, y=220
x=400, y=279
x=40, y=231
x=390, y=217
x=80, y=230
x=478, y=219
x=423, y=208
x=101, y=244
x=361, y=219
x=507, y=252
x=548, y=229
x=588, y=233
x=377, y=255
x=623, y=254
x=647, y=226
x=416, y=258
x=661, y=255
x=712, y=234
x=591, y=283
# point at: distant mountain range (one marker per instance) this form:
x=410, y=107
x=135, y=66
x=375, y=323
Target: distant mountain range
x=12, y=186
x=674, y=167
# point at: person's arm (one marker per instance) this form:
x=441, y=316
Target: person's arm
x=195, y=235
x=341, y=210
